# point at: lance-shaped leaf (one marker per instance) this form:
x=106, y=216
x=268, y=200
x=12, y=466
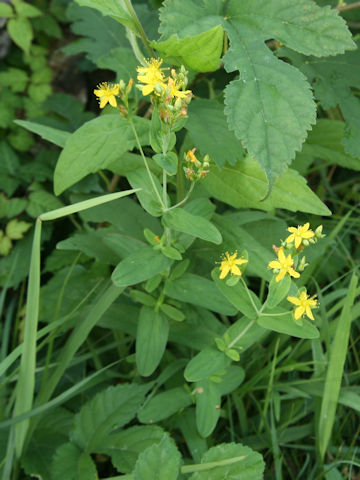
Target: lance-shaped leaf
x=94, y=146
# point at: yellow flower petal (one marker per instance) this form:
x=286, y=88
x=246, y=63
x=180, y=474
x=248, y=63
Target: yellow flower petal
x=299, y=312
x=294, y=300
x=235, y=270
x=112, y=101
x=309, y=312
x=274, y=264
x=280, y=276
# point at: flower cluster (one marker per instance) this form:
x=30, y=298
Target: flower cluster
x=195, y=169
x=169, y=94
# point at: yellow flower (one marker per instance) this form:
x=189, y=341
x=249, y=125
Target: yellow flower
x=106, y=93
x=304, y=304
x=230, y=264
x=299, y=234
x=284, y=265
x=174, y=90
x=151, y=75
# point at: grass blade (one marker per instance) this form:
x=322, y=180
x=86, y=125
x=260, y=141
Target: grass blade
x=335, y=371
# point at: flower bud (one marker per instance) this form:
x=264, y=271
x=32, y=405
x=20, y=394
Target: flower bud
x=306, y=242
x=318, y=232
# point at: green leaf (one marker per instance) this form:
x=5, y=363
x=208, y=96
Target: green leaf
x=180, y=220
x=5, y=244
x=139, y=178
x=15, y=229
x=238, y=296
x=65, y=463
x=158, y=462
x=208, y=400
x=21, y=32
x=164, y=405
x=124, y=447
x=284, y=323
x=325, y=141
x=200, y=291
x=24, y=9
x=244, y=186
x=209, y=131
x=139, y=266
x=58, y=137
x=277, y=291
x=113, y=8
x=334, y=373
x=151, y=339
x=109, y=409
x=167, y=161
x=15, y=78
x=41, y=201
x=230, y=381
x=172, y=312
x=209, y=361
x=96, y=145
x=235, y=461
x=299, y=24
x=261, y=106
x=5, y=10
x=171, y=252
x=199, y=52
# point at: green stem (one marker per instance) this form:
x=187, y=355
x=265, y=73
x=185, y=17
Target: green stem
x=139, y=27
x=180, y=190
x=250, y=297
x=146, y=163
x=351, y=6
x=236, y=339
x=183, y=200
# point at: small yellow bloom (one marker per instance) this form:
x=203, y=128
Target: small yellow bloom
x=304, y=304
x=284, y=265
x=230, y=264
x=151, y=75
x=191, y=156
x=174, y=90
x=299, y=234
x=107, y=93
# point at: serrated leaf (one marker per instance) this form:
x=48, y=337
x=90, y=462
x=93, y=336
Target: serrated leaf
x=199, y=52
x=158, y=462
x=139, y=266
x=124, y=447
x=151, y=339
x=245, y=185
x=209, y=131
x=15, y=78
x=165, y=404
x=299, y=24
x=21, y=32
x=65, y=462
x=94, y=146
x=261, y=106
x=15, y=229
x=112, y=408
x=180, y=220
x=237, y=462
x=208, y=401
x=198, y=291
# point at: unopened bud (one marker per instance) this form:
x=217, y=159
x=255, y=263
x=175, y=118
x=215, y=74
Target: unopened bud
x=158, y=88
x=302, y=264
x=122, y=85
x=318, y=232
x=178, y=103
x=305, y=242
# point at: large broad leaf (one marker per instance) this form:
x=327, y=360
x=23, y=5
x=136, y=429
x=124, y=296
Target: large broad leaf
x=70, y=463
x=159, y=462
x=109, y=409
x=54, y=135
x=199, y=52
x=198, y=291
x=244, y=186
x=209, y=131
x=236, y=462
x=139, y=266
x=180, y=220
x=151, y=338
x=96, y=145
x=270, y=108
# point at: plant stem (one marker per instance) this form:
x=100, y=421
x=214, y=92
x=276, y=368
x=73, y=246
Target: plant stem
x=250, y=297
x=139, y=27
x=183, y=200
x=350, y=6
x=241, y=334
x=179, y=182
x=167, y=230
x=146, y=163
